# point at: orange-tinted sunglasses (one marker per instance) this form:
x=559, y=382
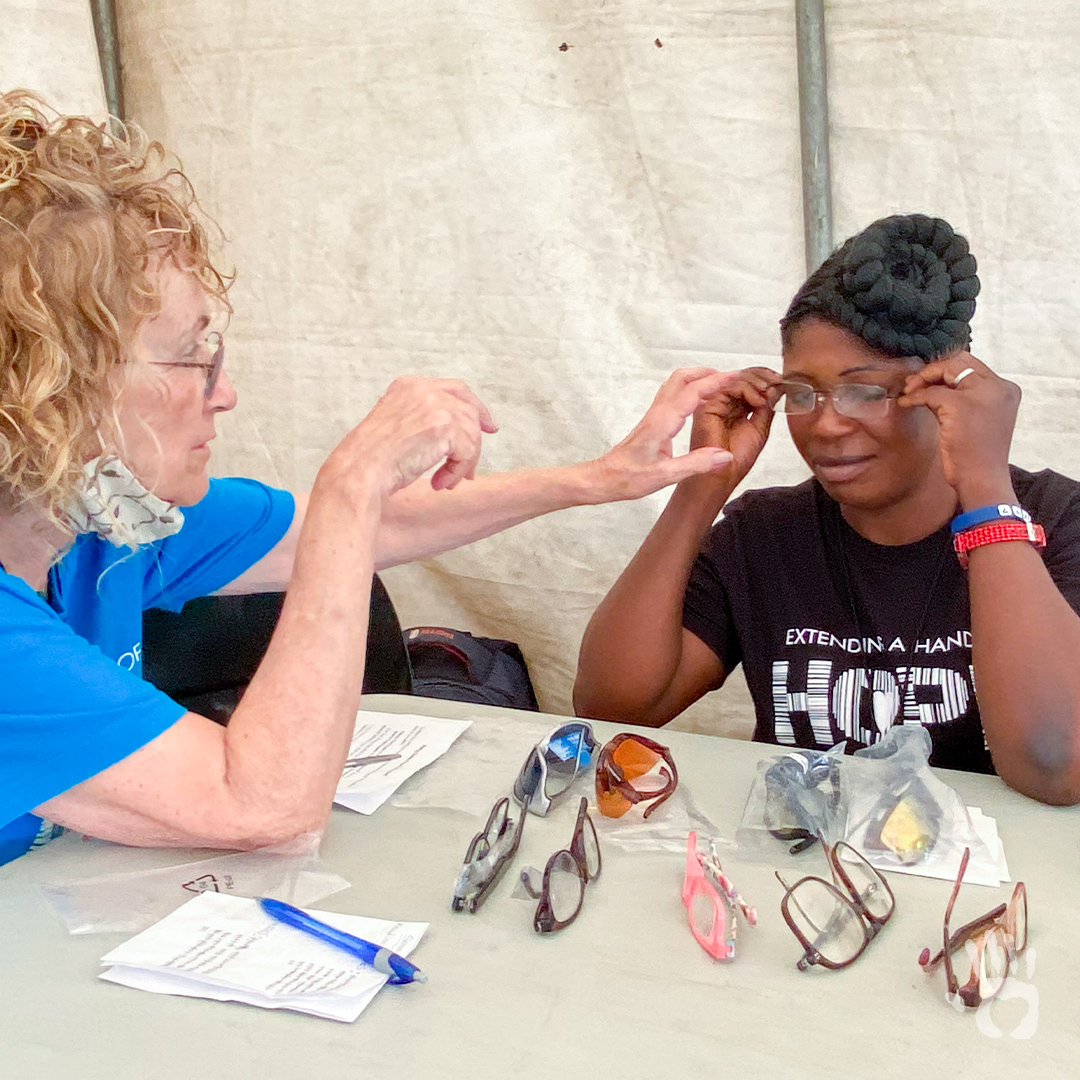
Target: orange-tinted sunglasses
x=623, y=762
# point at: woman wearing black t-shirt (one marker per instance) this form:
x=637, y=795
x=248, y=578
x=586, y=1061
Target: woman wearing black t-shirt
x=843, y=597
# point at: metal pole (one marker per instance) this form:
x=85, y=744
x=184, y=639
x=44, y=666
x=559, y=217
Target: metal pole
x=814, y=131
x=108, y=44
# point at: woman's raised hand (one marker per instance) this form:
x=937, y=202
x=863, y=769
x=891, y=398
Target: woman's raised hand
x=737, y=417
x=416, y=425
x=976, y=411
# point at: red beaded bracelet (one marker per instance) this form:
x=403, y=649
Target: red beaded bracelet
x=996, y=532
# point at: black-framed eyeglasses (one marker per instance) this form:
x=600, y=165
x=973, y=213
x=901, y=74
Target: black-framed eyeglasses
x=488, y=855
x=215, y=346
x=859, y=401
x=562, y=890
x=553, y=764
x=834, y=929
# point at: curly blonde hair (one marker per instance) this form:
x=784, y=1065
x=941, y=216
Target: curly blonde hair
x=84, y=212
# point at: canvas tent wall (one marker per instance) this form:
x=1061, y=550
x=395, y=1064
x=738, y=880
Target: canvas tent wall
x=561, y=202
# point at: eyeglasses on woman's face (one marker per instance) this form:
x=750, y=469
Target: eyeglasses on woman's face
x=858, y=401
x=208, y=355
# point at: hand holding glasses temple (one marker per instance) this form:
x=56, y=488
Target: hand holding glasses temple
x=834, y=929
x=562, y=891
x=859, y=401
x=992, y=943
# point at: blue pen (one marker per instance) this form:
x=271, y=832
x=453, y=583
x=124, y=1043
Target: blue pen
x=378, y=956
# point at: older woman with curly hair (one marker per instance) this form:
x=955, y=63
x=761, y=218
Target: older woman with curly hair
x=111, y=380
x=915, y=567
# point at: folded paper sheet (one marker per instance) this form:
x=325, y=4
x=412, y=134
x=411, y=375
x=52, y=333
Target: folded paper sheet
x=227, y=949
x=416, y=740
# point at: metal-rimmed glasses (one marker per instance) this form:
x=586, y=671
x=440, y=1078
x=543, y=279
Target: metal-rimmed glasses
x=553, y=764
x=562, y=890
x=624, y=770
x=992, y=943
x=834, y=929
x=859, y=401
x=711, y=902
x=488, y=855
x=214, y=345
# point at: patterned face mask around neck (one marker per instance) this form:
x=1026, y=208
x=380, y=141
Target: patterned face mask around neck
x=114, y=504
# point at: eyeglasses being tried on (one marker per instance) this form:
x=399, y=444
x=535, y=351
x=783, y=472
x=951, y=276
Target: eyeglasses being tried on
x=992, y=943
x=213, y=347
x=627, y=774
x=562, y=890
x=859, y=401
x=553, y=765
x=711, y=902
x=834, y=929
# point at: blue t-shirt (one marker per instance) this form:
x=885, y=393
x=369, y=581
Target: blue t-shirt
x=72, y=698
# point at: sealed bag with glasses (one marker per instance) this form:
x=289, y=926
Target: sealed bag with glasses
x=835, y=921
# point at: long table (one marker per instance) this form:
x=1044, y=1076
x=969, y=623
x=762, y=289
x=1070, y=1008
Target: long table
x=625, y=991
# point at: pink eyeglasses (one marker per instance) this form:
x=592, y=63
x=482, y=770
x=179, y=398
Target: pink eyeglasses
x=707, y=894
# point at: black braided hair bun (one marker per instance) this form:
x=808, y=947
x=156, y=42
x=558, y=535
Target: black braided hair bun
x=906, y=285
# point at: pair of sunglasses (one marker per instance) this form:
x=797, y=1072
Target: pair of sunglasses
x=833, y=928
x=624, y=775
x=553, y=764
x=562, y=891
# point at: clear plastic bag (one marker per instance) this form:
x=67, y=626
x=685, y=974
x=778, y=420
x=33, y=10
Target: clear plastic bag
x=900, y=815
x=132, y=901
x=796, y=799
x=664, y=830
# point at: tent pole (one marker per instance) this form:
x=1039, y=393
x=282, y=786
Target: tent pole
x=814, y=131
x=108, y=45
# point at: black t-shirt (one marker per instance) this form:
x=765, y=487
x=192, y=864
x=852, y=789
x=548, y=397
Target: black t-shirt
x=840, y=637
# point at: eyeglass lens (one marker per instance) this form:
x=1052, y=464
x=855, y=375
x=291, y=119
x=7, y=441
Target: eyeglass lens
x=867, y=886
x=828, y=922
x=565, y=887
x=703, y=912
x=217, y=362
x=562, y=755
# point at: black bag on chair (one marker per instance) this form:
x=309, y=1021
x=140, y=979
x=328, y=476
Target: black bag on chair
x=457, y=666
x=205, y=655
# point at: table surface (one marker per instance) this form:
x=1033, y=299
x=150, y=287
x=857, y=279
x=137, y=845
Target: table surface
x=625, y=990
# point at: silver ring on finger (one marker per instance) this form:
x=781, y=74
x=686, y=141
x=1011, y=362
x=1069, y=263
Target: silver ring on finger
x=963, y=375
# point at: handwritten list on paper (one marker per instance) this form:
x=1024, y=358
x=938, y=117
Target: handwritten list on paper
x=228, y=949
x=413, y=743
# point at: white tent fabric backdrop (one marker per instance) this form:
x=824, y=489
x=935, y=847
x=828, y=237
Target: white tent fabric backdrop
x=561, y=202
